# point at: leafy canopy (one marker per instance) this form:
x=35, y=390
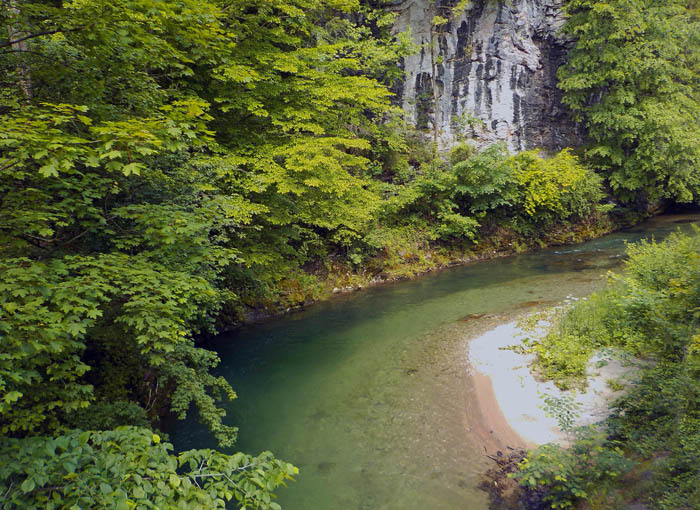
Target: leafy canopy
x=634, y=78
x=158, y=160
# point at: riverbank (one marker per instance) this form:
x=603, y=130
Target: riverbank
x=322, y=281
x=511, y=402
x=646, y=454
x=511, y=397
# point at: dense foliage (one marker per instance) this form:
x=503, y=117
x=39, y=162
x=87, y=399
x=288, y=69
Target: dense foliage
x=634, y=78
x=650, y=312
x=131, y=468
x=477, y=192
x=166, y=166
x=155, y=159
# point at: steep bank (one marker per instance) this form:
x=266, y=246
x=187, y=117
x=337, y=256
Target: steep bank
x=321, y=281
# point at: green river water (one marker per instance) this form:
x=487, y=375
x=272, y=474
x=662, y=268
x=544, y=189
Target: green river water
x=370, y=394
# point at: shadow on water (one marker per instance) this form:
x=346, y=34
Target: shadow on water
x=370, y=394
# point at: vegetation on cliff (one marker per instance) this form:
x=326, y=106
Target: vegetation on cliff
x=167, y=165
x=633, y=78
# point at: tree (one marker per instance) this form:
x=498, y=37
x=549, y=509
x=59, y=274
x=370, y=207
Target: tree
x=130, y=467
x=158, y=160
x=633, y=79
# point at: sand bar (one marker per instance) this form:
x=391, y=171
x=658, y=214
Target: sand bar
x=509, y=394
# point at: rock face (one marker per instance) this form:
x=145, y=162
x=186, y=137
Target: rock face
x=496, y=61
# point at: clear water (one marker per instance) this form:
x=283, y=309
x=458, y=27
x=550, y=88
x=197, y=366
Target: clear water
x=370, y=394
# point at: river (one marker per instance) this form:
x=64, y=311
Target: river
x=371, y=394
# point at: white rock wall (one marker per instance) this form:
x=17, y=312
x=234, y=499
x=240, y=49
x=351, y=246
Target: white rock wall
x=499, y=65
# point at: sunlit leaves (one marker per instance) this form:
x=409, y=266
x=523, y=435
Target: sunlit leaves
x=171, y=156
x=58, y=138
x=55, y=166
x=554, y=188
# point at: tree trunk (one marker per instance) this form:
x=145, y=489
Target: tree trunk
x=21, y=47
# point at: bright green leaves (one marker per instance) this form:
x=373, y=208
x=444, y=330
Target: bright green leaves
x=320, y=181
x=57, y=169
x=59, y=139
x=42, y=137
x=128, y=467
x=132, y=214
x=55, y=305
x=527, y=186
x=439, y=21
x=568, y=475
x=658, y=296
x=301, y=74
x=555, y=188
x=41, y=326
x=522, y=191
x=633, y=78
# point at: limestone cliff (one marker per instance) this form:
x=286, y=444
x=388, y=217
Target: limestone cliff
x=495, y=61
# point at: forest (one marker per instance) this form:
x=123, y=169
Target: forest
x=170, y=168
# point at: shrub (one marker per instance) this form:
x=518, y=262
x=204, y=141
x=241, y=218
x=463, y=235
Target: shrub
x=650, y=311
x=486, y=181
x=556, y=188
x=573, y=473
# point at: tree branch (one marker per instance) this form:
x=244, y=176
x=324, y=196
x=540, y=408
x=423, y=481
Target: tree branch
x=30, y=36
x=5, y=44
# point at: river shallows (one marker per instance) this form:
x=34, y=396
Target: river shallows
x=370, y=394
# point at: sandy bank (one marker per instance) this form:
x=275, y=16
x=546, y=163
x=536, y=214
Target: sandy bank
x=510, y=397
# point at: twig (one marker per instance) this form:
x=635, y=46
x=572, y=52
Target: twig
x=30, y=36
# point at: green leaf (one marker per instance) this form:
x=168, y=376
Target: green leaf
x=49, y=170
x=132, y=168
x=27, y=485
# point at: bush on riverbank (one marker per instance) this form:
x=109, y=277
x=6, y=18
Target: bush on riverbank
x=476, y=205
x=651, y=312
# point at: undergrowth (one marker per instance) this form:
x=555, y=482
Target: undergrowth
x=648, y=450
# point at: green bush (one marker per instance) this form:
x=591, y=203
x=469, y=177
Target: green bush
x=650, y=311
x=556, y=188
x=572, y=474
x=486, y=181
x=575, y=333
x=461, y=152
x=429, y=202
x=525, y=190
x=130, y=467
